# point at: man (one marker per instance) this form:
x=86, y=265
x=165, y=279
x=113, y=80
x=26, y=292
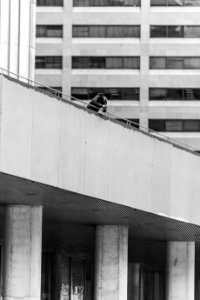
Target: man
x=98, y=102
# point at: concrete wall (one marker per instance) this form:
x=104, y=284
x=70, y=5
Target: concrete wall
x=56, y=143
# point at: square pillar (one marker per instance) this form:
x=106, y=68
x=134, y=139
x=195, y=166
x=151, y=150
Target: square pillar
x=111, y=262
x=22, y=254
x=180, y=270
x=134, y=281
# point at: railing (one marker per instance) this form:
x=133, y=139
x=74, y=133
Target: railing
x=82, y=103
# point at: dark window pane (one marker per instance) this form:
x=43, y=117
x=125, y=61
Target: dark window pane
x=80, y=31
x=123, y=31
x=81, y=3
x=174, y=125
x=158, y=2
x=158, y=31
x=113, y=93
x=40, y=62
x=80, y=62
x=175, y=31
x=174, y=94
x=106, y=31
x=100, y=62
x=54, y=31
x=134, y=123
x=80, y=93
x=157, y=125
x=106, y=3
x=92, y=92
x=49, y=2
x=97, y=31
x=48, y=62
x=97, y=62
x=49, y=31
x=191, y=125
x=53, y=62
x=40, y=31
x=157, y=94
x=192, y=94
x=110, y=93
x=131, y=94
x=131, y=63
x=175, y=63
x=157, y=63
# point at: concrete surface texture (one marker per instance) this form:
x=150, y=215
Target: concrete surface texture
x=180, y=270
x=22, y=255
x=56, y=143
x=111, y=262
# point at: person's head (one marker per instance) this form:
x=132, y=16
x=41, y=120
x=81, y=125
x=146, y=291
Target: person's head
x=100, y=97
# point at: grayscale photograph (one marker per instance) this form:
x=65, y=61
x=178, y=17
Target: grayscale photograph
x=99, y=149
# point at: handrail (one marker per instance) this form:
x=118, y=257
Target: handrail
x=83, y=103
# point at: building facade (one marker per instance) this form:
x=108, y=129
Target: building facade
x=144, y=55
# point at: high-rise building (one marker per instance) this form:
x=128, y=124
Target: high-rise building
x=143, y=54
x=17, y=36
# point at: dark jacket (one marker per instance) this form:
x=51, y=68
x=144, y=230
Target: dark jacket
x=99, y=101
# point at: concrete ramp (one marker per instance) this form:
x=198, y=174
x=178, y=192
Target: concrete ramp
x=62, y=145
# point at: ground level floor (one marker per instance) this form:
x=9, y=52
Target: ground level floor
x=42, y=259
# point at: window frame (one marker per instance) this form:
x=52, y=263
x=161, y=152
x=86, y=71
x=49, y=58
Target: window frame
x=121, y=91
x=122, y=29
x=108, y=3
x=49, y=27
x=48, y=60
x=48, y=3
x=91, y=61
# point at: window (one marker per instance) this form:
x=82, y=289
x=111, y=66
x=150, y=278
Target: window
x=103, y=31
x=158, y=31
x=175, y=62
x=175, y=2
x=110, y=93
x=170, y=94
x=174, y=31
x=106, y=3
x=49, y=31
x=174, y=125
x=101, y=62
x=157, y=63
x=57, y=92
x=49, y=2
x=48, y=62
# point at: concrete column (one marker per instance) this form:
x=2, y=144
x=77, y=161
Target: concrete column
x=111, y=262
x=22, y=254
x=63, y=276
x=134, y=281
x=144, y=64
x=180, y=271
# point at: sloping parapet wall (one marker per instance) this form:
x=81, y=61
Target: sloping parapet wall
x=57, y=143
